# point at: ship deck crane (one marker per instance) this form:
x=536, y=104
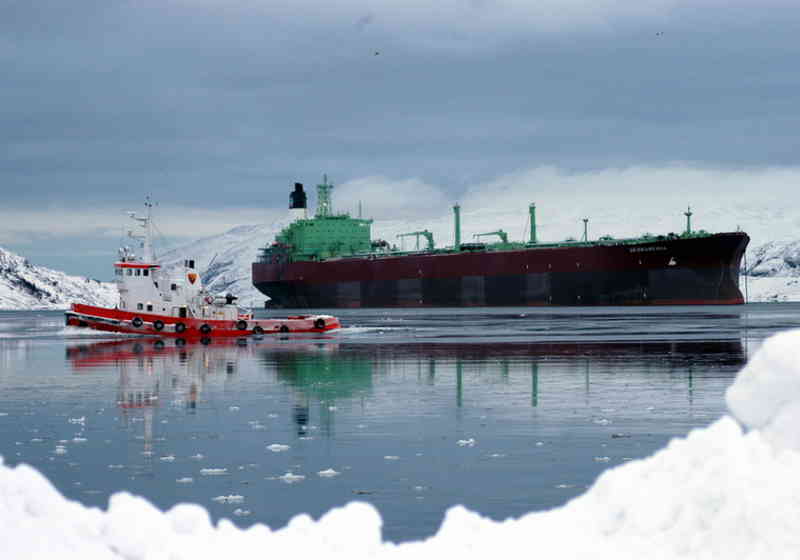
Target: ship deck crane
x=500, y=233
x=417, y=234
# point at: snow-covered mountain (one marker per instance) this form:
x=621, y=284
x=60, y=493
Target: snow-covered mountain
x=26, y=286
x=225, y=260
x=773, y=271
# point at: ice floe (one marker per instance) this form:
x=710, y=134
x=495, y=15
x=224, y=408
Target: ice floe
x=213, y=471
x=277, y=447
x=466, y=442
x=291, y=478
x=328, y=473
x=230, y=499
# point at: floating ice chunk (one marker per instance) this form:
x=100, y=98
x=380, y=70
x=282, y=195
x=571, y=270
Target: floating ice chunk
x=466, y=442
x=602, y=421
x=116, y=467
x=36, y=440
x=81, y=420
x=60, y=450
x=167, y=458
x=332, y=408
x=272, y=415
x=239, y=512
x=185, y=480
x=565, y=486
x=197, y=456
x=391, y=457
x=234, y=408
x=230, y=499
x=3, y=413
x=278, y=447
x=291, y=478
x=602, y=459
x=77, y=439
x=497, y=455
x=539, y=443
x=328, y=473
x=361, y=426
x=213, y=471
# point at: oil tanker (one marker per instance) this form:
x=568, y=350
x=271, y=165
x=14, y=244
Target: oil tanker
x=331, y=261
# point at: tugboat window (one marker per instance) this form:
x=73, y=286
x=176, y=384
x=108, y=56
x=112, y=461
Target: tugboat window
x=130, y=272
x=139, y=306
x=138, y=272
x=173, y=287
x=145, y=272
x=149, y=307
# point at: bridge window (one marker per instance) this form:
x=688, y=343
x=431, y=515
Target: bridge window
x=145, y=272
x=149, y=307
x=138, y=272
x=130, y=272
x=173, y=287
x=139, y=306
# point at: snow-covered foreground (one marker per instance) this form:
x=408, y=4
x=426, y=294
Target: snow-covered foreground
x=730, y=490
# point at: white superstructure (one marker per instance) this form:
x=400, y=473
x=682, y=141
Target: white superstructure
x=145, y=287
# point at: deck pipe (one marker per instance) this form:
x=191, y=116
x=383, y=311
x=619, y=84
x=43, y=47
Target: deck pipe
x=457, y=220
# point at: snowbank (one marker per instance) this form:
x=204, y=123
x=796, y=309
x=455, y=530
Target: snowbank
x=721, y=492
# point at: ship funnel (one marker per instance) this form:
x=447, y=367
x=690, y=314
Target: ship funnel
x=457, y=224
x=298, y=203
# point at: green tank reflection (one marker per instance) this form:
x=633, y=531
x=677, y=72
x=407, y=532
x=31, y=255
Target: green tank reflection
x=321, y=377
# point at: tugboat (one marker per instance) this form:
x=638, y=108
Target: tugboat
x=155, y=302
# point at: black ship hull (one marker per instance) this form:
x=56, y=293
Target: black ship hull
x=701, y=270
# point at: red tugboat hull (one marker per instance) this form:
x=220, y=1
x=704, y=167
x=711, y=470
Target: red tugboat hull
x=128, y=322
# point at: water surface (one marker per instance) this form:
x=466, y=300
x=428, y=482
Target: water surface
x=504, y=410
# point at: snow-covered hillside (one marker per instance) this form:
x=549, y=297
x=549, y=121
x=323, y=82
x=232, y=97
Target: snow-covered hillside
x=26, y=286
x=225, y=260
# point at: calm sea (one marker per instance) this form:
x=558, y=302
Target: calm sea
x=506, y=411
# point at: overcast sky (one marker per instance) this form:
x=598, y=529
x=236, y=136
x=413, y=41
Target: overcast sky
x=217, y=107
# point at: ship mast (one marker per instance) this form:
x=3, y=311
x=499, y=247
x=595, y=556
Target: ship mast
x=688, y=215
x=324, y=198
x=145, y=222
